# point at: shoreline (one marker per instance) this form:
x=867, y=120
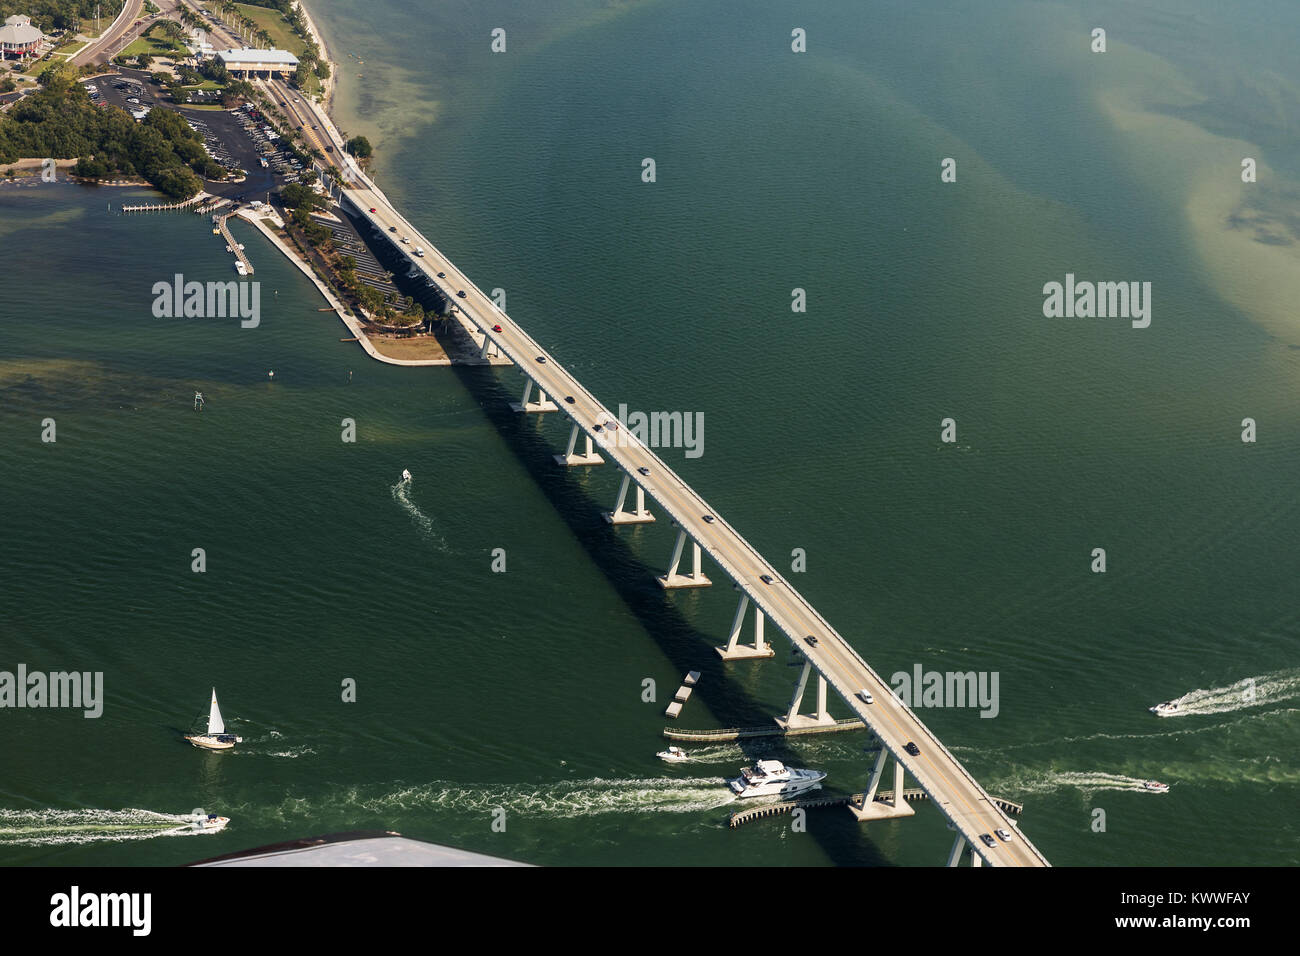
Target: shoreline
x=327, y=85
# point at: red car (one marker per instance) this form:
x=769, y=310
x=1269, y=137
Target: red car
x=496, y=328
x=373, y=209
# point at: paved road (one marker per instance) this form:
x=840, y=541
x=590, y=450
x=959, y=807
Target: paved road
x=950, y=786
x=111, y=40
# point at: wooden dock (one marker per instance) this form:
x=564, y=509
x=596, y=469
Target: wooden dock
x=771, y=730
x=786, y=806
x=167, y=207
x=234, y=246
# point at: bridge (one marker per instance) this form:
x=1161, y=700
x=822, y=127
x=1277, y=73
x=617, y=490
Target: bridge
x=915, y=750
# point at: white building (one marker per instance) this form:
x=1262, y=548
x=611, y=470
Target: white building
x=255, y=62
x=18, y=38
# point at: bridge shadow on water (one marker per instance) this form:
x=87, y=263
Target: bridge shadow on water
x=687, y=647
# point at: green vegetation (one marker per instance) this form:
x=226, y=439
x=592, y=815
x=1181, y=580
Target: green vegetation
x=61, y=122
x=359, y=147
x=53, y=16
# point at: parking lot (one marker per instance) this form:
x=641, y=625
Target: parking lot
x=236, y=139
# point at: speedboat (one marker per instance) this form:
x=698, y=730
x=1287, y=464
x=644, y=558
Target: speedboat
x=406, y=475
x=1167, y=709
x=212, y=822
x=1155, y=786
x=672, y=755
x=771, y=778
x=216, y=738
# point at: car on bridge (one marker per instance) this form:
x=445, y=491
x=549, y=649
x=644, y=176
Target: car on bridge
x=765, y=578
x=913, y=749
x=442, y=275
x=864, y=695
x=542, y=359
x=497, y=328
x=373, y=209
x=988, y=840
x=570, y=399
x=643, y=470
x=811, y=640
x=1003, y=835
x=460, y=294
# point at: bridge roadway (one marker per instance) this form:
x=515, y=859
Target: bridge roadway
x=951, y=788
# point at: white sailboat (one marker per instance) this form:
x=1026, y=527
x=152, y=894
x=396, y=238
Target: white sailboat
x=216, y=738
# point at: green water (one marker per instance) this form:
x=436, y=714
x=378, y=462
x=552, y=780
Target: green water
x=522, y=690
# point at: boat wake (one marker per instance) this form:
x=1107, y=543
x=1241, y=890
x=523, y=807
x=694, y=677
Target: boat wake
x=1249, y=692
x=566, y=799
x=1087, y=781
x=74, y=827
x=401, y=493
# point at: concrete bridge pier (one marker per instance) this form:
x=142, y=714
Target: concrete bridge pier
x=589, y=457
x=489, y=349
x=639, y=516
x=733, y=650
x=543, y=404
x=954, y=855
x=866, y=807
x=695, y=579
x=793, y=719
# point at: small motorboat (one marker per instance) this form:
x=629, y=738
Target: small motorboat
x=1167, y=709
x=1155, y=786
x=216, y=738
x=673, y=755
x=212, y=822
x=406, y=475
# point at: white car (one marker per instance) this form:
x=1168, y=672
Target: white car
x=1003, y=835
x=406, y=239
x=864, y=695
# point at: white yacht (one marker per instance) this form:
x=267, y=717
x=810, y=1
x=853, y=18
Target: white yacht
x=240, y=268
x=216, y=738
x=1167, y=709
x=672, y=755
x=771, y=778
x=1155, y=786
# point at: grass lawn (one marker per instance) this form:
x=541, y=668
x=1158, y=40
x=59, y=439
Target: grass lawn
x=155, y=47
x=282, y=37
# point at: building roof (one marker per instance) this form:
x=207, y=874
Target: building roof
x=19, y=29
x=260, y=57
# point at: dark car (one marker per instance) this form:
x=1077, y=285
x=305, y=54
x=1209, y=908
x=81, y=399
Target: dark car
x=597, y=427
x=709, y=518
x=643, y=470
x=496, y=328
x=390, y=228
x=442, y=275
x=811, y=640
x=988, y=840
x=460, y=294
x=765, y=578
x=542, y=359
x=913, y=749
